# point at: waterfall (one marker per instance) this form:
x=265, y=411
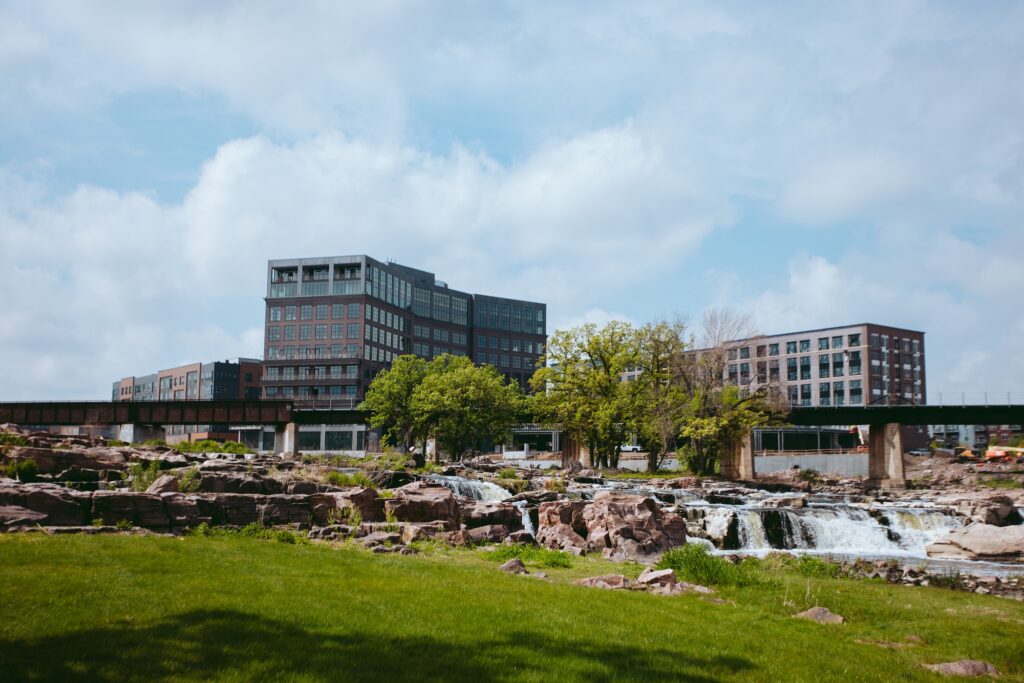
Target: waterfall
x=527, y=522
x=483, y=491
x=836, y=529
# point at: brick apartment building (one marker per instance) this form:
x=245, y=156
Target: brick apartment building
x=229, y=379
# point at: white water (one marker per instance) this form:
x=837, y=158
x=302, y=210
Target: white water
x=483, y=491
x=834, y=529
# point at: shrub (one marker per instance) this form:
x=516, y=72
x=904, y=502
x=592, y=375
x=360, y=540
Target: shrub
x=211, y=446
x=556, y=484
x=117, y=443
x=515, y=485
x=257, y=530
x=391, y=521
x=12, y=439
x=809, y=475
x=507, y=473
x=531, y=555
x=346, y=479
x=951, y=579
x=693, y=563
x=97, y=521
x=24, y=471
x=154, y=442
x=204, y=530
x=189, y=481
x=817, y=568
x=140, y=476
x=124, y=525
x=349, y=516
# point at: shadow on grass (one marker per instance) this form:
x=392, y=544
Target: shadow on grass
x=210, y=644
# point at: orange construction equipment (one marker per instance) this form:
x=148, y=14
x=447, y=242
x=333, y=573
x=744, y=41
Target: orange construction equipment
x=1003, y=453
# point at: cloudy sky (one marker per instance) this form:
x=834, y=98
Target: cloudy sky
x=809, y=163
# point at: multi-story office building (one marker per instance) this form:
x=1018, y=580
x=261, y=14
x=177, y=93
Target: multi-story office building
x=851, y=365
x=333, y=323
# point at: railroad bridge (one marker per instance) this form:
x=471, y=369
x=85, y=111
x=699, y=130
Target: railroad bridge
x=885, y=459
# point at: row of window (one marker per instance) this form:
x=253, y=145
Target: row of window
x=798, y=346
x=288, y=372
x=276, y=333
x=317, y=312
x=318, y=351
x=495, y=343
x=386, y=318
x=829, y=393
x=504, y=315
x=333, y=391
x=385, y=338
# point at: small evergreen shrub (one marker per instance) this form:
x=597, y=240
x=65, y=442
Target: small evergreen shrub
x=12, y=439
x=25, y=471
x=556, y=484
x=507, y=473
x=124, y=525
x=190, y=481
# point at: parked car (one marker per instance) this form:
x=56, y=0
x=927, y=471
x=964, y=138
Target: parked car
x=920, y=452
x=630, y=448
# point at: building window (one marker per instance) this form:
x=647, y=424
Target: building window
x=289, y=312
x=494, y=345
x=856, y=394
x=791, y=369
x=733, y=353
x=289, y=332
x=823, y=343
x=275, y=314
x=854, y=364
x=837, y=342
x=824, y=394
x=773, y=349
x=274, y=333
x=481, y=342
x=838, y=394
x=306, y=312
x=353, y=331
x=761, y=351
x=805, y=345
x=337, y=331
x=773, y=371
x=853, y=340
x=792, y=393
x=791, y=347
x=745, y=352
x=805, y=394
x=321, y=311
x=823, y=365
x=805, y=367
x=504, y=344
x=305, y=332
x=321, y=331
x=837, y=365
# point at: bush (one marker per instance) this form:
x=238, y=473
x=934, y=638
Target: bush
x=140, y=476
x=154, y=442
x=531, y=555
x=24, y=471
x=809, y=475
x=693, y=563
x=556, y=484
x=515, y=485
x=344, y=479
x=117, y=443
x=211, y=446
x=190, y=481
x=12, y=439
x=257, y=530
x=349, y=516
x=124, y=525
x=508, y=473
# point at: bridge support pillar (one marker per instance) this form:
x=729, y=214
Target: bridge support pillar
x=286, y=440
x=739, y=462
x=885, y=462
x=136, y=433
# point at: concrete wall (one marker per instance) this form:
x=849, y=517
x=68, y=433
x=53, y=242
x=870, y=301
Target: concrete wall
x=851, y=465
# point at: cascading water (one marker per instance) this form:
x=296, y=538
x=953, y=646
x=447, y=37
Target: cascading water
x=838, y=529
x=483, y=491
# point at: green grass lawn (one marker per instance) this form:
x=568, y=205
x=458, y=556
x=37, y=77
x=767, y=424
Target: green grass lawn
x=116, y=608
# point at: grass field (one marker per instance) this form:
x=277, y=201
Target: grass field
x=117, y=608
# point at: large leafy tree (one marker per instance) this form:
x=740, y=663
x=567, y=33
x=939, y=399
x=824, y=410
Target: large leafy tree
x=658, y=400
x=581, y=387
x=718, y=412
x=465, y=406
x=389, y=401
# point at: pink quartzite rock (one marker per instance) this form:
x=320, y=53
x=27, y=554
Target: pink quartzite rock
x=821, y=615
x=965, y=667
x=422, y=502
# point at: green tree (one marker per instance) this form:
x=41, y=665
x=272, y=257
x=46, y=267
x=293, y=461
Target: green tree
x=465, y=406
x=717, y=411
x=389, y=401
x=581, y=387
x=658, y=400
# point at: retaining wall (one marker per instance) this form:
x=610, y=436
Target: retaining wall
x=850, y=464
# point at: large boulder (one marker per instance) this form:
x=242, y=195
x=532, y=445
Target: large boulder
x=239, y=482
x=479, y=513
x=980, y=542
x=141, y=509
x=561, y=526
x=61, y=506
x=165, y=483
x=183, y=510
x=630, y=527
x=994, y=510
x=423, y=502
x=56, y=460
x=15, y=515
x=365, y=500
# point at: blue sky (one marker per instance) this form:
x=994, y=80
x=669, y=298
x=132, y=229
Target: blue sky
x=806, y=164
